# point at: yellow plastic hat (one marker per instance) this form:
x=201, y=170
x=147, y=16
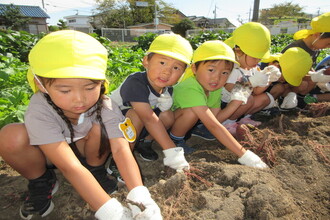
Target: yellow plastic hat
x=253, y=39
x=319, y=24
x=295, y=64
x=172, y=45
x=214, y=50
x=272, y=58
x=211, y=50
x=67, y=54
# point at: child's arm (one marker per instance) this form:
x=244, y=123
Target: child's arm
x=153, y=125
x=124, y=159
x=220, y=132
x=129, y=170
x=61, y=155
x=259, y=90
x=223, y=114
x=174, y=156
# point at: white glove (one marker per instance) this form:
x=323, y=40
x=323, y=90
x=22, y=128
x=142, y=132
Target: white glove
x=240, y=93
x=319, y=76
x=113, y=210
x=140, y=195
x=274, y=73
x=259, y=79
x=290, y=101
x=174, y=158
x=252, y=160
x=325, y=87
x=165, y=102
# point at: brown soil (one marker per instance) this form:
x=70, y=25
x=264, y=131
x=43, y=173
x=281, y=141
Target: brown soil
x=297, y=186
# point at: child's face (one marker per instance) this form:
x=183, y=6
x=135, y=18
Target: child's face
x=163, y=71
x=212, y=75
x=247, y=62
x=321, y=43
x=74, y=96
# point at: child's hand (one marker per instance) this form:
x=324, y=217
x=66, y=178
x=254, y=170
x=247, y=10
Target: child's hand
x=142, y=205
x=274, y=73
x=319, y=76
x=240, y=93
x=325, y=87
x=112, y=209
x=174, y=158
x=290, y=101
x=259, y=79
x=252, y=160
x=165, y=102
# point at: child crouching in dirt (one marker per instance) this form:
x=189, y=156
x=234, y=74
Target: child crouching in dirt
x=71, y=124
x=146, y=98
x=312, y=41
x=198, y=97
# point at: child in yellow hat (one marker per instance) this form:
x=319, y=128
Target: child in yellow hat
x=146, y=98
x=198, y=97
x=72, y=125
x=312, y=41
x=251, y=43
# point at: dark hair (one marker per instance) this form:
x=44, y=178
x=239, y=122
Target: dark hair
x=150, y=55
x=325, y=35
x=104, y=142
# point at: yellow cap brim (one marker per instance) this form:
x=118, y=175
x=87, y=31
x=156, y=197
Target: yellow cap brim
x=302, y=34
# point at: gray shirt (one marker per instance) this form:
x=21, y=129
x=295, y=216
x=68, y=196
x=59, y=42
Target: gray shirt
x=45, y=126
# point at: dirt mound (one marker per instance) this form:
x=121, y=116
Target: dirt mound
x=296, y=147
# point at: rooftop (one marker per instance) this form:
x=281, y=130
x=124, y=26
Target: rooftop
x=26, y=10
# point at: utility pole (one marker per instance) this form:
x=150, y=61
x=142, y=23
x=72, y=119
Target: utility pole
x=256, y=10
x=146, y=4
x=43, y=5
x=215, y=14
x=156, y=19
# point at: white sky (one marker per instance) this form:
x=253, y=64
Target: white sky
x=231, y=9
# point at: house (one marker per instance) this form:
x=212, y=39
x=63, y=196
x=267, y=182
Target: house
x=160, y=26
x=221, y=23
x=200, y=21
x=37, y=23
x=129, y=34
x=79, y=23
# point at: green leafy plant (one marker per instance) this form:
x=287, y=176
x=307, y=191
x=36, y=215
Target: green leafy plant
x=203, y=36
x=144, y=41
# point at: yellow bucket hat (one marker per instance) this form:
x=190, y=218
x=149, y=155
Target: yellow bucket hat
x=67, y=54
x=172, y=45
x=211, y=50
x=295, y=64
x=272, y=58
x=319, y=24
x=253, y=38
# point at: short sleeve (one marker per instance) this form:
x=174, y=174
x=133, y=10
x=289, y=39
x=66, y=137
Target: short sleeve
x=111, y=117
x=42, y=123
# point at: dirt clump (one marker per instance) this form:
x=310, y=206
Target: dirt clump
x=295, y=146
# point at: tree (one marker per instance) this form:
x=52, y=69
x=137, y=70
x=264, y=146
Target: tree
x=183, y=26
x=122, y=13
x=52, y=28
x=13, y=18
x=281, y=11
x=114, y=14
x=61, y=25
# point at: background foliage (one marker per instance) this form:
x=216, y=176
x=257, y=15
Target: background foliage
x=123, y=60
